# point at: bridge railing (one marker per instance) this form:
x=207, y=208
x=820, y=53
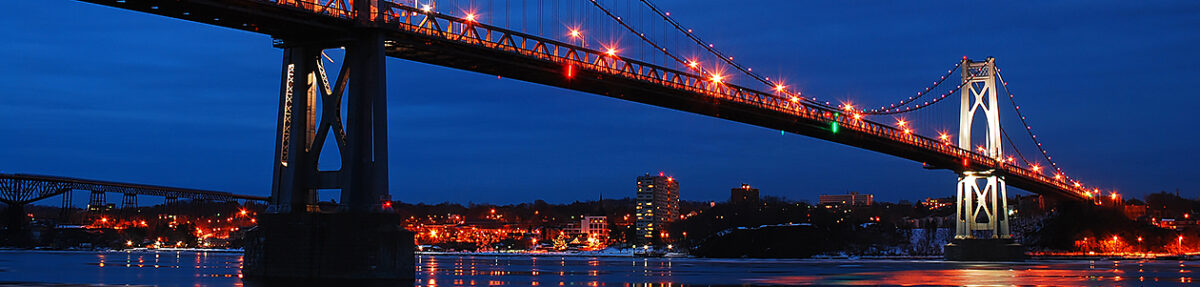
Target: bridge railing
x=468, y=31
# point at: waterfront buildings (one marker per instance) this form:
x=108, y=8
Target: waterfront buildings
x=852, y=198
x=593, y=230
x=743, y=194
x=657, y=206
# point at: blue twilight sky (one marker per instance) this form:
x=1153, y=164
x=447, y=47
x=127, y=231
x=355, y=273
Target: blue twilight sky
x=97, y=92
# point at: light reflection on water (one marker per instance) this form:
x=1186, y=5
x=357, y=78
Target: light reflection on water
x=223, y=269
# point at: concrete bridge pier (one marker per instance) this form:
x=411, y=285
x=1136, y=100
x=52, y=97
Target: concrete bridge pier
x=362, y=243
x=16, y=232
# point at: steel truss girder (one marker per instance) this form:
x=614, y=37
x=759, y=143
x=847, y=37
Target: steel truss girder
x=361, y=138
x=26, y=188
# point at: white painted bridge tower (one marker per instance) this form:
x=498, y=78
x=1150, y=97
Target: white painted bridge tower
x=982, y=194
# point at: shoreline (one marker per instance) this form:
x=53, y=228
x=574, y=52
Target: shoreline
x=629, y=254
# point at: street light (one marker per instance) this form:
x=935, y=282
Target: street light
x=576, y=34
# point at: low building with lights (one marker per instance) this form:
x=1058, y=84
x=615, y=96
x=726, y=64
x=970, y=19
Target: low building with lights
x=743, y=195
x=936, y=203
x=852, y=199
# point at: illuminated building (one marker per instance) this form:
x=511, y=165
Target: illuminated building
x=595, y=227
x=935, y=203
x=592, y=231
x=852, y=198
x=744, y=194
x=657, y=205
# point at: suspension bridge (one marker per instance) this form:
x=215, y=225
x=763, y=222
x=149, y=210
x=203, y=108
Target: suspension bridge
x=570, y=44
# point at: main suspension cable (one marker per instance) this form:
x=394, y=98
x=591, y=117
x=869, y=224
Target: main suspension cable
x=1028, y=129
x=729, y=60
x=920, y=94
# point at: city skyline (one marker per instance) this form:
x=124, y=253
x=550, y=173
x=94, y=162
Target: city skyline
x=199, y=112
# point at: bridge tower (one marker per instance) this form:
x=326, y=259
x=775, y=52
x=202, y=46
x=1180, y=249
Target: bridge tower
x=981, y=209
x=128, y=200
x=97, y=203
x=296, y=241
x=64, y=213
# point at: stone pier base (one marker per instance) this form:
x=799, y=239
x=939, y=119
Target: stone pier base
x=341, y=249
x=984, y=250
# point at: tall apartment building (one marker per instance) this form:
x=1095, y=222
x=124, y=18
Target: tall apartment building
x=657, y=206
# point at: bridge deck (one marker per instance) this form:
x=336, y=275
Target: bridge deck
x=453, y=42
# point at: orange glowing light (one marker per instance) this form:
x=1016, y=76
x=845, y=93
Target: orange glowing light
x=470, y=17
x=780, y=87
x=426, y=8
x=611, y=52
x=693, y=64
x=242, y=212
x=716, y=78
x=795, y=99
x=848, y=107
x=943, y=136
x=1036, y=168
x=575, y=33
x=901, y=122
x=857, y=116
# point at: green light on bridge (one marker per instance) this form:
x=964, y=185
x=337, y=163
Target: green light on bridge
x=833, y=126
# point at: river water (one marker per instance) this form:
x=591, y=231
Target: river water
x=171, y=268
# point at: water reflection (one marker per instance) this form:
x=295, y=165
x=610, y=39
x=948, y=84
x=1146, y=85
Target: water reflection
x=601, y=271
x=223, y=269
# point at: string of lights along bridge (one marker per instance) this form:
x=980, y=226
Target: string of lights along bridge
x=637, y=40
x=626, y=49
